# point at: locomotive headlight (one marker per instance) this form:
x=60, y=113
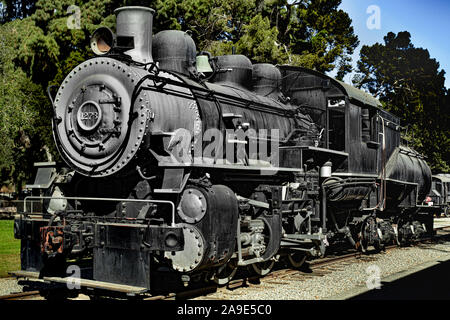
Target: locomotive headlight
x=171, y=240
x=102, y=40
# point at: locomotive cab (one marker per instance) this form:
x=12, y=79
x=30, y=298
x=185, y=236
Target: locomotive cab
x=349, y=118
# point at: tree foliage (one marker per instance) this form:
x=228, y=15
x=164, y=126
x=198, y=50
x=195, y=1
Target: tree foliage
x=16, y=9
x=409, y=83
x=20, y=102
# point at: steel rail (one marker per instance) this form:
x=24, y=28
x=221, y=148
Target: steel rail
x=19, y=295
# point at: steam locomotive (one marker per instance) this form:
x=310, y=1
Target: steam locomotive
x=192, y=165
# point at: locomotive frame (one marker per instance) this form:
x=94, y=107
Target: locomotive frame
x=165, y=177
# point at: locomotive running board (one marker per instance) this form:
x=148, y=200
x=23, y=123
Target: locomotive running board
x=267, y=169
x=82, y=282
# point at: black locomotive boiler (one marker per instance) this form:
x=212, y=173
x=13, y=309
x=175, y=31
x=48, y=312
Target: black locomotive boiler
x=191, y=165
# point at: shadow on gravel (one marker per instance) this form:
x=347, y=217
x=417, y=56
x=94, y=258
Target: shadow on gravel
x=430, y=284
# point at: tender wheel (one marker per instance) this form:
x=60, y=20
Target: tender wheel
x=225, y=274
x=363, y=245
x=296, y=259
x=369, y=235
x=397, y=239
x=263, y=268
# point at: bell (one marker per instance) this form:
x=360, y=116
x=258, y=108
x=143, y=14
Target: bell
x=203, y=64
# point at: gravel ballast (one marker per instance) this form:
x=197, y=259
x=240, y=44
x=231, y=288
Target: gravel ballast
x=9, y=286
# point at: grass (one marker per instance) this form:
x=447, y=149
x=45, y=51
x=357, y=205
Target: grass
x=9, y=248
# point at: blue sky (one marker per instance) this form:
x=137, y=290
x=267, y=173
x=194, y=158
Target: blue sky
x=427, y=21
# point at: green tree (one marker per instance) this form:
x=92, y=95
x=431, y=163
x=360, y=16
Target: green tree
x=410, y=85
x=16, y=9
x=37, y=51
x=20, y=101
x=260, y=42
x=315, y=33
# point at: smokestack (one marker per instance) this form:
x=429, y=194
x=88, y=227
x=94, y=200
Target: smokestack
x=137, y=23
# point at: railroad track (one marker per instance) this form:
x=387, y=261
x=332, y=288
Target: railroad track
x=20, y=295
x=315, y=268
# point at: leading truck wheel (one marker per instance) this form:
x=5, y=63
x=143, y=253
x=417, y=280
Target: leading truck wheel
x=225, y=274
x=370, y=235
x=263, y=268
x=296, y=259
